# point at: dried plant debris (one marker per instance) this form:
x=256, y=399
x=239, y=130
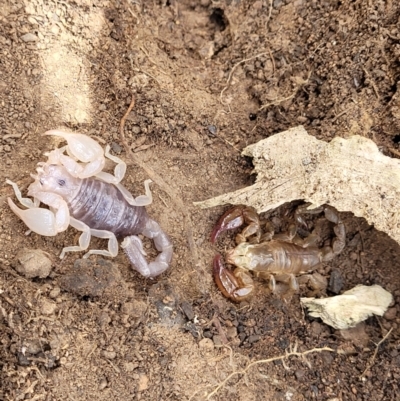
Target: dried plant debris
x=352, y=307
x=349, y=174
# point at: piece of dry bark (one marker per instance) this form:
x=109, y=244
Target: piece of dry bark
x=350, y=308
x=350, y=174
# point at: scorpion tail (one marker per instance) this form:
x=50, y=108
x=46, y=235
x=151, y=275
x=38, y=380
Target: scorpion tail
x=134, y=249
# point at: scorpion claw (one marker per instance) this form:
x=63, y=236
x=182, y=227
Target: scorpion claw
x=231, y=219
x=234, y=218
x=236, y=285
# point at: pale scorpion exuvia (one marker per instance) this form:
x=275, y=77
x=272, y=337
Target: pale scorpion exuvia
x=286, y=255
x=80, y=194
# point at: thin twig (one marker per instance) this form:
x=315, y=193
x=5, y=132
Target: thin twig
x=272, y=61
x=395, y=151
x=264, y=361
x=165, y=187
x=145, y=51
x=217, y=324
x=228, y=81
x=339, y=115
x=371, y=362
x=269, y=13
x=277, y=101
x=368, y=75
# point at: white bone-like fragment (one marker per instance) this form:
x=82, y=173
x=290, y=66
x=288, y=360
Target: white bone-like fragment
x=352, y=307
x=350, y=174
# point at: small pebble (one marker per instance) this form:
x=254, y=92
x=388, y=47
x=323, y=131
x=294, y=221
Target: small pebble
x=250, y=323
x=23, y=359
x=212, y=129
x=136, y=129
x=55, y=292
x=33, y=346
x=32, y=21
x=116, y=148
x=254, y=338
x=335, y=281
x=143, y=383
x=104, y=319
x=231, y=332
x=207, y=334
x=130, y=366
x=33, y=263
x=206, y=344
x=48, y=307
x=109, y=354
x=188, y=310
x=55, y=30
x=29, y=37
x=302, y=119
x=103, y=384
x=390, y=314
x=299, y=374
x=217, y=339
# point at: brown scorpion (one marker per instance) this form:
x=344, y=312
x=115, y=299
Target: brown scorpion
x=269, y=254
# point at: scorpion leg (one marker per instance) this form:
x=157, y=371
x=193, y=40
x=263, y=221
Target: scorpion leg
x=236, y=285
x=112, y=244
x=287, y=237
x=84, y=241
x=119, y=174
x=119, y=169
x=272, y=283
x=332, y=215
x=236, y=217
x=134, y=249
x=289, y=279
x=141, y=200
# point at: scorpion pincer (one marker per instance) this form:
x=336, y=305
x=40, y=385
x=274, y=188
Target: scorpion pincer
x=80, y=194
x=285, y=255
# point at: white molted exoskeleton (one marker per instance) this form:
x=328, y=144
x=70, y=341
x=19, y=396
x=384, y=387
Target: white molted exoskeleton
x=66, y=181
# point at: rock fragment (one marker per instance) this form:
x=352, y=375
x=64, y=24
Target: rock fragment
x=33, y=263
x=95, y=278
x=29, y=37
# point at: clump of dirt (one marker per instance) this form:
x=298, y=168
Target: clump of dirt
x=209, y=78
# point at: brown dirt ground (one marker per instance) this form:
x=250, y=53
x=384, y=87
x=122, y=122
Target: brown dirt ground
x=209, y=77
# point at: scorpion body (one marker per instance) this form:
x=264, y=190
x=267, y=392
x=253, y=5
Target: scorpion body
x=101, y=206
x=276, y=257
x=100, y=209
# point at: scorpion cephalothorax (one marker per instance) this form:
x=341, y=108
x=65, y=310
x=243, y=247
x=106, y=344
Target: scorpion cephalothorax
x=282, y=254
